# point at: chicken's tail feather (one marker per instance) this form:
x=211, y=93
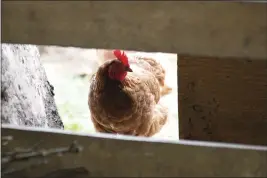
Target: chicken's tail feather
x=165, y=90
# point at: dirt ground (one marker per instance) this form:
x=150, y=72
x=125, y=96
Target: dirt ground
x=69, y=70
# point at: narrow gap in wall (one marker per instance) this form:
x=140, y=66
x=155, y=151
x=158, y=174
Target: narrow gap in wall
x=69, y=70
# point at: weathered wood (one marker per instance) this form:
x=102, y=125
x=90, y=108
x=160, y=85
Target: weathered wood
x=222, y=99
x=106, y=155
x=79, y=172
x=201, y=28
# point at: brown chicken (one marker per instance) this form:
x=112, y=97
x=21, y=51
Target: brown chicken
x=124, y=96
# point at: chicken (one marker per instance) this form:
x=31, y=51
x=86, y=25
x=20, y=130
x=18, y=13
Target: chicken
x=104, y=55
x=124, y=96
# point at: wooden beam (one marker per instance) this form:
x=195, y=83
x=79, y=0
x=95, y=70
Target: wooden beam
x=235, y=29
x=108, y=155
x=201, y=28
x=222, y=99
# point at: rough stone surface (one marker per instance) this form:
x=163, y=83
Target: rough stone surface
x=27, y=97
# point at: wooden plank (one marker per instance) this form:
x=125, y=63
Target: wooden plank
x=222, y=99
x=200, y=28
x=106, y=155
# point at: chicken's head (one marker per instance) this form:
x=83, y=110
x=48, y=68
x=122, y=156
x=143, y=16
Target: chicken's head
x=118, y=68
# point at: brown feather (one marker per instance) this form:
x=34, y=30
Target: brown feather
x=132, y=106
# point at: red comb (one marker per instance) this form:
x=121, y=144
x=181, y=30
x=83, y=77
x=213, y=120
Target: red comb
x=121, y=56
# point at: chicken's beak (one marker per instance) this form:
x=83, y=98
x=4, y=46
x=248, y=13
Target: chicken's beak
x=128, y=69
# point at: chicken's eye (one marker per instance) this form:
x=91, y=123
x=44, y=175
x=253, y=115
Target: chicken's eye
x=113, y=74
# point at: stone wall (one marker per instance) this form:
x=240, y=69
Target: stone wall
x=27, y=98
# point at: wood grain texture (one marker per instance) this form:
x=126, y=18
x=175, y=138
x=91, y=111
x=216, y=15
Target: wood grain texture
x=221, y=90
x=200, y=28
x=223, y=99
x=108, y=155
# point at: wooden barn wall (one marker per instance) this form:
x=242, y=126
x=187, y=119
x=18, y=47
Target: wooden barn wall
x=111, y=156
x=203, y=28
x=223, y=99
x=221, y=68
